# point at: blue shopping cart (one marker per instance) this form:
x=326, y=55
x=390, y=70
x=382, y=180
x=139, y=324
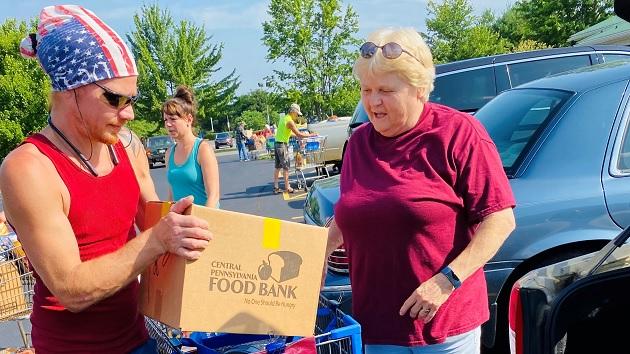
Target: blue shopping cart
x=335, y=333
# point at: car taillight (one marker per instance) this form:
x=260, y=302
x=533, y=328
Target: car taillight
x=515, y=320
x=338, y=260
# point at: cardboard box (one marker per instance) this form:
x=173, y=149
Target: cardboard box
x=258, y=275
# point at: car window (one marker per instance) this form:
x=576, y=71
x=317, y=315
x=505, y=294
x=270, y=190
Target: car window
x=515, y=118
x=615, y=57
x=359, y=116
x=465, y=91
x=222, y=135
x=158, y=141
x=623, y=162
x=521, y=73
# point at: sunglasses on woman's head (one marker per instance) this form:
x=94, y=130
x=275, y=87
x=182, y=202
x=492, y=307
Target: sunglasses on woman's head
x=391, y=50
x=117, y=100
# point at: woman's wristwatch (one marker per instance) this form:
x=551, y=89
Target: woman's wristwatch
x=451, y=276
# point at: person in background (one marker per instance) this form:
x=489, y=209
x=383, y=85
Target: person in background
x=76, y=191
x=192, y=167
x=241, y=140
x=286, y=126
x=424, y=204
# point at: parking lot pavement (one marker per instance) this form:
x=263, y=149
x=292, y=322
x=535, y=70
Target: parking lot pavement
x=247, y=187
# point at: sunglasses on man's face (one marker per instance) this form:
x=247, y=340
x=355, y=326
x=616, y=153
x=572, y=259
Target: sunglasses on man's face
x=117, y=100
x=391, y=50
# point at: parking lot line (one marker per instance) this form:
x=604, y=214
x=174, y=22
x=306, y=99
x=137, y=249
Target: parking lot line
x=296, y=196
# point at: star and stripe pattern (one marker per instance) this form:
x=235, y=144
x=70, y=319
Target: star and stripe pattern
x=76, y=48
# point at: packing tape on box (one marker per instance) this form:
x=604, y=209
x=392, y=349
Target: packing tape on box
x=271, y=233
x=166, y=207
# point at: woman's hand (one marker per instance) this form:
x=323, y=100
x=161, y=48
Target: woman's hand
x=427, y=298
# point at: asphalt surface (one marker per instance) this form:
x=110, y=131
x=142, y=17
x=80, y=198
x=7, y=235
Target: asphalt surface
x=246, y=187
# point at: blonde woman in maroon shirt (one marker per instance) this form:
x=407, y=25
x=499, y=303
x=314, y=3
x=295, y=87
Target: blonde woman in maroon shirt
x=424, y=205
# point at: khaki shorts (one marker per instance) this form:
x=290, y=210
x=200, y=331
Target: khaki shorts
x=281, y=152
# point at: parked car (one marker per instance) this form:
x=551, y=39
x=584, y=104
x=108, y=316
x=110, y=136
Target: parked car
x=562, y=141
x=575, y=306
x=335, y=131
x=223, y=139
x=156, y=148
x=467, y=85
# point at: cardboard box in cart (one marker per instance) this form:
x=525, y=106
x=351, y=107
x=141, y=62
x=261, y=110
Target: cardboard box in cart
x=258, y=275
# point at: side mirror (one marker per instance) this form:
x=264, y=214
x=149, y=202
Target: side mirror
x=622, y=9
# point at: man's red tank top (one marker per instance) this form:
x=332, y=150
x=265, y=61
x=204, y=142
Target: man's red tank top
x=102, y=212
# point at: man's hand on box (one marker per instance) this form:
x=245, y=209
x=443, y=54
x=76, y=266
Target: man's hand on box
x=183, y=235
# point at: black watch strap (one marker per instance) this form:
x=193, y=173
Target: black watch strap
x=451, y=276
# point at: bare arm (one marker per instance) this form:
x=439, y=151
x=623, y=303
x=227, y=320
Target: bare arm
x=210, y=170
x=39, y=212
x=335, y=239
x=291, y=125
x=140, y=164
x=490, y=235
x=167, y=156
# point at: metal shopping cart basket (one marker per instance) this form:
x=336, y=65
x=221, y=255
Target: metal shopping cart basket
x=309, y=155
x=335, y=332
x=16, y=284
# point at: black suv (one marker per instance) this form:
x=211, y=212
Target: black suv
x=156, y=148
x=467, y=85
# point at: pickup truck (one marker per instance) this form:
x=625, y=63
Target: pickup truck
x=336, y=133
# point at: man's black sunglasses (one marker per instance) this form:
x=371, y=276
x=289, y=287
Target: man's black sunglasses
x=391, y=50
x=116, y=99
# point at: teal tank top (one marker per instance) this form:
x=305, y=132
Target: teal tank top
x=187, y=179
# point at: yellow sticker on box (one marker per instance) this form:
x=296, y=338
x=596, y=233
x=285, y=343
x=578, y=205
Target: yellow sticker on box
x=271, y=233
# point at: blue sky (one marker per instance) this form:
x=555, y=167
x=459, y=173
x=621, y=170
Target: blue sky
x=238, y=24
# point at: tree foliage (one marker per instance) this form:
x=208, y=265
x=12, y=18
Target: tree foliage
x=169, y=55
x=24, y=88
x=315, y=38
x=253, y=120
x=455, y=33
x=551, y=21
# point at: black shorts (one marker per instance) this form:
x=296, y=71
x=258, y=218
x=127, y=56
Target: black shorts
x=281, y=152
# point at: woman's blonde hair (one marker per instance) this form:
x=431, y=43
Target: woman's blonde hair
x=181, y=104
x=419, y=73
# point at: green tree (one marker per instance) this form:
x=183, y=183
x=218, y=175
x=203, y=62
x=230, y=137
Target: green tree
x=551, y=21
x=253, y=120
x=169, y=55
x=24, y=88
x=315, y=38
x=455, y=33
x=258, y=100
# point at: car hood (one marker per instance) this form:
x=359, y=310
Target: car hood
x=321, y=200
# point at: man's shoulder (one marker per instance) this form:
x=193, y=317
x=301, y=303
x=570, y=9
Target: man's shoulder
x=25, y=160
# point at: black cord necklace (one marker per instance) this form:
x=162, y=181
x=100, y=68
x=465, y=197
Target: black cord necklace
x=86, y=162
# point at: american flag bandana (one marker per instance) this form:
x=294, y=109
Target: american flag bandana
x=76, y=48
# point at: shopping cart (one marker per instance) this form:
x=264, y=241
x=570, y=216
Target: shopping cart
x=16, y=285
x=309, y=155
x=335, y=332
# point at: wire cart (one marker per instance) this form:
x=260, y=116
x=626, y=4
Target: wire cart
x=309, y=155
x=335, y=332
x=16, y=285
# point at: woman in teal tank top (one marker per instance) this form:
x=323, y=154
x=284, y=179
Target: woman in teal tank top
x=191, y=163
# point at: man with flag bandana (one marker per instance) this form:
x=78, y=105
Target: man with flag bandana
x=75, y=193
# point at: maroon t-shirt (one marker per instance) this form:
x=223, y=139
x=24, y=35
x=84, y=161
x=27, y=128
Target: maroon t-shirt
x=409, y=205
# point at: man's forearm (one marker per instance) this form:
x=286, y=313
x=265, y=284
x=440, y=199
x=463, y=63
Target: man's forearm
x=99, y=278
